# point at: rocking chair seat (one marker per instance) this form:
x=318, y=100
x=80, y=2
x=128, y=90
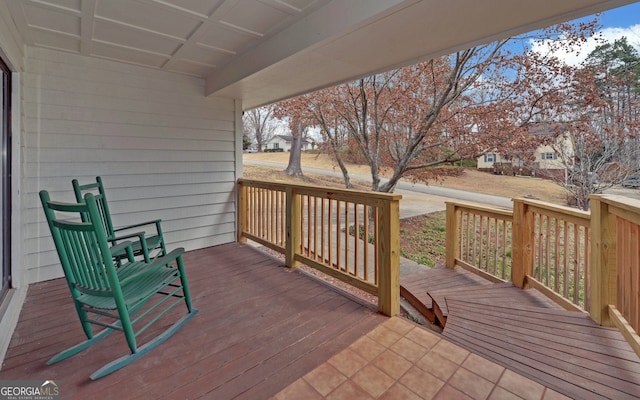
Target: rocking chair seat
x=137, y=280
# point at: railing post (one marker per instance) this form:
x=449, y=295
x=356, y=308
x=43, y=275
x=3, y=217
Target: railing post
x=242, y=212
x=389, y=257
x=452, y=238
x=603, y=261
x=292, y=223
x=521, y=243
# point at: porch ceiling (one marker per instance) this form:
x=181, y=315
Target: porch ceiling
x=262, y=51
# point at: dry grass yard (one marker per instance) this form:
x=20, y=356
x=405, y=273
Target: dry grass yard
x=471, y=180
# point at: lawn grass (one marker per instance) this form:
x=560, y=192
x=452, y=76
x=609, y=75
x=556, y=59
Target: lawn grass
x=422, y=238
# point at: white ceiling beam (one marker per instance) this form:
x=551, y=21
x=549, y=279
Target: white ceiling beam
x=335, y=19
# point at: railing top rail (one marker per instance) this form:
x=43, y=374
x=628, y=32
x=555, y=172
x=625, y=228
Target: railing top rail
x=322, y=192
x=622, y=202
x=585, y=215
x=482, y=207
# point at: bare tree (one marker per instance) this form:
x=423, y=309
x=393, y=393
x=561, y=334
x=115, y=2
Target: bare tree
x=260, y=125
x=588, y=162
x=295, y=167
x=603, y=125
x=406, y=122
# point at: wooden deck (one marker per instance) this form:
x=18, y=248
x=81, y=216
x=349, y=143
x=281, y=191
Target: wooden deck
x=260, y=328
x=525, y=332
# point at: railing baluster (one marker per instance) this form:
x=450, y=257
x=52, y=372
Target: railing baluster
x=338, y=241
x=356, y=238
x=329, y=226
x=556, y=255
x=576, y=265
x=377, y=244
x=485, y=242
x=283, y=225
x=586, y=271
x=308, y=225
x=475, y=239
x=467, y=249
x=496, y=248
x=504, y=250
x=346, y=237
x=566, y=248
x=366, y=242
x=634, y=251
x=272, y=216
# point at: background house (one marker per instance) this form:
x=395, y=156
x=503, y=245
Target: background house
x=284, y=142
x=547, y=155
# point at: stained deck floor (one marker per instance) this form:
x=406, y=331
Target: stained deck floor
x=525, y=332
x=260, y=327
x=265, y=331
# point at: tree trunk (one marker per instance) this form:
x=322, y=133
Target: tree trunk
x=294, y=168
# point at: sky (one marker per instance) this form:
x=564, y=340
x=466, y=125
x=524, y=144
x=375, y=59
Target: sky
x=616, y=23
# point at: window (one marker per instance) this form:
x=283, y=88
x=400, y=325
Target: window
x=5, y=175
x=276, y=145
x=489, y=158
x=549, y=156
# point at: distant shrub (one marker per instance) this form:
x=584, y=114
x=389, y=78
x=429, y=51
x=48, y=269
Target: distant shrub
x=466, y=163
x=278, y=150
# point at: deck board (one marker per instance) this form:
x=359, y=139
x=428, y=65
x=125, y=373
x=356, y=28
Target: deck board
x=415, y=288
x=525, y=332
x=260, y=327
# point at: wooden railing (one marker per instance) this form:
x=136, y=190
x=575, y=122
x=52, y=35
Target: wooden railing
x=351, y=235
x=536, y=244
x=552, y=250
x=584, y=261
x=478, y=238
x=615, y=265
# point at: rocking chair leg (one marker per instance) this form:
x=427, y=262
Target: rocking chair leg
x=79, y=347
x=142, y=350
x=185, y=284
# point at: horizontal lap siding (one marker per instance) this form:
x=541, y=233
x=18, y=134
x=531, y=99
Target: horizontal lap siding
x=11, y=44
x=163, y=149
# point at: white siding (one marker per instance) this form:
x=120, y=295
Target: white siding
x=488, y=164
x=11, y=43
x=162, y=148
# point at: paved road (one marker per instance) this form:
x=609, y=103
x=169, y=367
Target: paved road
x=417, y=199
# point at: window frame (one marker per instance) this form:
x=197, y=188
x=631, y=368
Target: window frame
x=5, y=185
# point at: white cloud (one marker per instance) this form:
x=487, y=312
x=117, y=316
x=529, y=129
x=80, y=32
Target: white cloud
x=632, y=34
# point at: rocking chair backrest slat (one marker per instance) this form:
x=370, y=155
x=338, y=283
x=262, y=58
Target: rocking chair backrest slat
x=83, y=257
x=97, y=189
x=82, y=246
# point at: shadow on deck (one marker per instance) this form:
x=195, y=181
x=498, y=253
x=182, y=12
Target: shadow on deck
x=524, y=331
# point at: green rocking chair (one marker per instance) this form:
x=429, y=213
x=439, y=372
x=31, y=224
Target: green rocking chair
x=145, y=244
x=128, y=297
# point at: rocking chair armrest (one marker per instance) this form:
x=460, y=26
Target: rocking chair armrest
x=155, y=222
x=153, y=266
x=138, y=235
x=166, y=259
x=123, y=247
